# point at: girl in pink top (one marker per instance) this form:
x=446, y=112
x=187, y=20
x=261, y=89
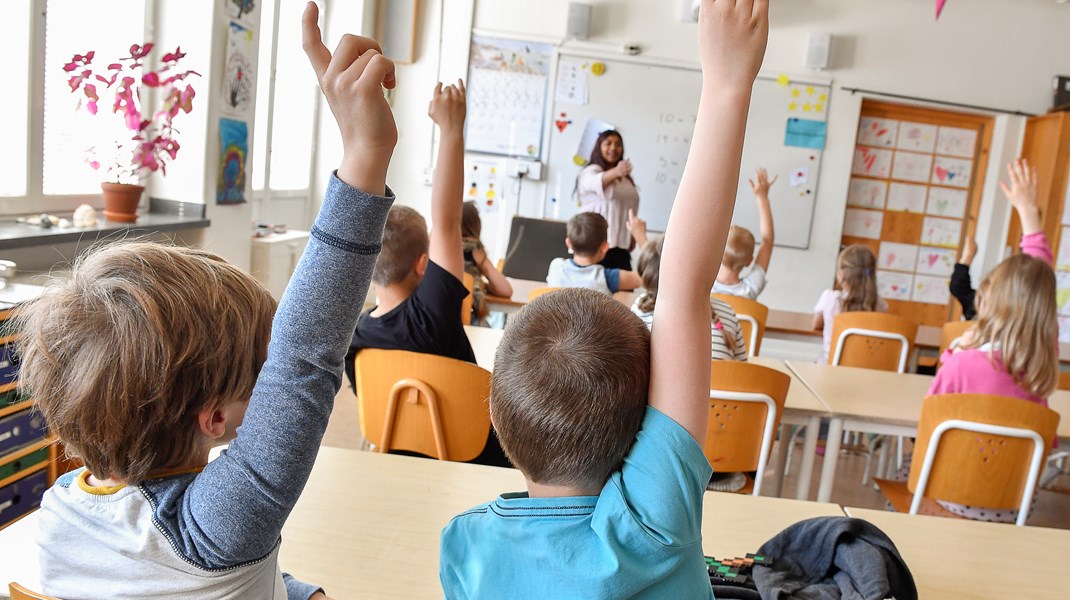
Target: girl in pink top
x=1013, y=348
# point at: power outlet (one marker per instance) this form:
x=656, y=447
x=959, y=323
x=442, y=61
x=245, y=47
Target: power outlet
x=528, y=169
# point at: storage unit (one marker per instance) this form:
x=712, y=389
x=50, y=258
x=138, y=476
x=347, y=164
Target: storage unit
x=275, y=258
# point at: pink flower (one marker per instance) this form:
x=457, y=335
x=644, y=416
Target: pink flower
x=150, y=79
x=115, y=66
x=91, y=106
x=91, y=91
x=137, y=51
x=70, y=67
x=95, y=164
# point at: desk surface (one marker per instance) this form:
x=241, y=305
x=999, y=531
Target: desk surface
x=799, y=396
x=952, y=558
x=484, y=342
x=796, y=323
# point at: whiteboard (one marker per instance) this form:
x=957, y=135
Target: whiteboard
x=654, y=107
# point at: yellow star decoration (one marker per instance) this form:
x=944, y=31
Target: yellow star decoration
x=795, y=92
x=819, y=107
x=810, y=90
x=823, y=97
x=792, y=107
x=807, y=107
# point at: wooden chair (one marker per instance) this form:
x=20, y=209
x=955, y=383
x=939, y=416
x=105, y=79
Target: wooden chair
x=535, y=293
x=752, y=316
x=17, y=592
x=422, y=403
x=978, y=450
x=746, y=402
x=951, y=331
x=872, y=340
x=466, y=306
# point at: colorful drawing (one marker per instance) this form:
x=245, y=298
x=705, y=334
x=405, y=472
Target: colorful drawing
x=931, y=290
x=953, y=141
x=562, y=123
x=916, y=137
x=507, y=96
x=1064, y=329
x=897, y=257
x=910, y=166
x=863, y=223
x=867, y=193
x=872, y=162
x=952, y=171
x=877, y=132
x=894, y=286
x=1062, y=260
x=935, y=261
x=943, y=233
x=233, y=150
x=1062, y=293
x=907, y=197
x=243, y=7
x=799, y=177
x=239, y=79
x=946, y=202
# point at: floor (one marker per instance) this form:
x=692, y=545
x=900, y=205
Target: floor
x=1052, y=509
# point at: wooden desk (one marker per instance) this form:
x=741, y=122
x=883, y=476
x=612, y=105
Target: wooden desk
x=795, y=323
x=952, y=558
x=368, y=525
x=880, y=402
x=522, y=288
x=484, y=342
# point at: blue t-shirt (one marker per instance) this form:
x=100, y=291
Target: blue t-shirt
x=640, y=538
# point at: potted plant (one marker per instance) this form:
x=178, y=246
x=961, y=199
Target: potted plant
x=152, y=143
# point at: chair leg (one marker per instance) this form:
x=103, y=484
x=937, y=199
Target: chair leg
x=899, y=442
x=796, y=430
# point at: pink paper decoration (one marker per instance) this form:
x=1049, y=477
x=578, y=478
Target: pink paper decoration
x=940, y=7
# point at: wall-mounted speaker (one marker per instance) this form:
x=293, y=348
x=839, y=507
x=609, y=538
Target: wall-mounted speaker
x=579, y=21
x=818, y=50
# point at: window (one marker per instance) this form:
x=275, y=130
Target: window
x=14, y=107
x=285, y=109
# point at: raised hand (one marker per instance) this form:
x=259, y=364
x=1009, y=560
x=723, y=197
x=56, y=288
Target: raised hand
x=732, y=39
x=1022, y=194
x=448, y=107
x=761, y=188
x=352, y=80
x=636, y=227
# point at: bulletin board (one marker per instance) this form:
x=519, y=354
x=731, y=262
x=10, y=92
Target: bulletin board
x=913, y=198
x=654, y=107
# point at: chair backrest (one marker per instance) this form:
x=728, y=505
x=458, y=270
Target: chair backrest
x=466, y=305
x=752, y=316
x=422, y=403
x=746, y=402
x=17, y=592
x=981, y=450
x=951, y=331
x=872, y=340
x=1064, y=380
x=535, y=293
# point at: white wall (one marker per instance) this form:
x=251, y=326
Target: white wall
x=998, y=53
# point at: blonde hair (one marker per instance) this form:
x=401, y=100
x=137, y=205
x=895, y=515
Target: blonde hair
x=1016, y=314
x=649, y=269
x=123, y=356
x=859, y=279
x=739, y=251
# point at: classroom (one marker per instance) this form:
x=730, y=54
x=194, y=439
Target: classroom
x=356, y=299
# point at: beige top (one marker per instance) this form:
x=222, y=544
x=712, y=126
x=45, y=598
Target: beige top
x=611, y=202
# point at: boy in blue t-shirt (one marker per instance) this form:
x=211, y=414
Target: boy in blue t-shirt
x=606, y=421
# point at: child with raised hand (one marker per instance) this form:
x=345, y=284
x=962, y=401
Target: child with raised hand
x=487, y=278
x=739, y=251
x=605, y=419
x=855, y=290
x=149, y=356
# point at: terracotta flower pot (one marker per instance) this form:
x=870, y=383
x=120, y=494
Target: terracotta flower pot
x=121, y=200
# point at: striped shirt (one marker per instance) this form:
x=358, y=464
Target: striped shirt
x=729, y=327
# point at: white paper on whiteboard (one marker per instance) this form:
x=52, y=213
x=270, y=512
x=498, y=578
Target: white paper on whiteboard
x=897, y=257
x=591, y=131
x=799, y=177
x=572, y=83
x=894, y=286
x=863, y=223
x=931, y=290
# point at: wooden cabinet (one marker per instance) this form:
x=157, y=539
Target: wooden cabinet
x=1047, y=146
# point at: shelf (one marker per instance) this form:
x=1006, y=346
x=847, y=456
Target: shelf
x=14, y=408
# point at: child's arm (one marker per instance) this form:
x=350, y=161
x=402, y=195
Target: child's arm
x=235, y=509
x=447, y=191
x=732, y=38
x=765, y=216
x=960, y=285
x=1022, y=194
x=637, y=227
x=497, y=284
x=628, y=281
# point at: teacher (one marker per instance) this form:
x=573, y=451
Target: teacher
x=605, y=187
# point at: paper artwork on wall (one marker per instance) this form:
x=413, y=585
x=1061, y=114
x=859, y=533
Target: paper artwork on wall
x=867, y=193
x=907, y=197
x=1062, y=293
x=946, y=202
x=872, y=162
x=1064, y=329
x=931, y=290
x=954, y=141
x=239, y=80
x=863, y=223
x=572, y=83
x=877, y=132
x=894, y=286
x=233, y=149
x=1062, y=260
x=952, y=171
x=916, y=137
x=935, y=261
x=240, y=9
x=944, y=233
x=910, y=166
x=507, y=95
x=805, y=133
x=897, y=257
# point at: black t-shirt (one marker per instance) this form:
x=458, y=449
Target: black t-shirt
x=429, y=321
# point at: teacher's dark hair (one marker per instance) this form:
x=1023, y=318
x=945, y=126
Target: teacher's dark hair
x=596, y=153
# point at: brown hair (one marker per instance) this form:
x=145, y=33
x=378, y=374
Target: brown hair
x=405, y=240
x=1016, y=314
x=569, y=388
x=739, y=251
x=587, y=231
x=471, y=224
x=596, y=152
x=649, y=269
x=122, y=357
x=859, y=268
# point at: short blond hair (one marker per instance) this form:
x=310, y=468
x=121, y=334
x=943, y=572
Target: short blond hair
x=739, y=250
x=121, y=357
x=570, y=386
x=405, y=240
